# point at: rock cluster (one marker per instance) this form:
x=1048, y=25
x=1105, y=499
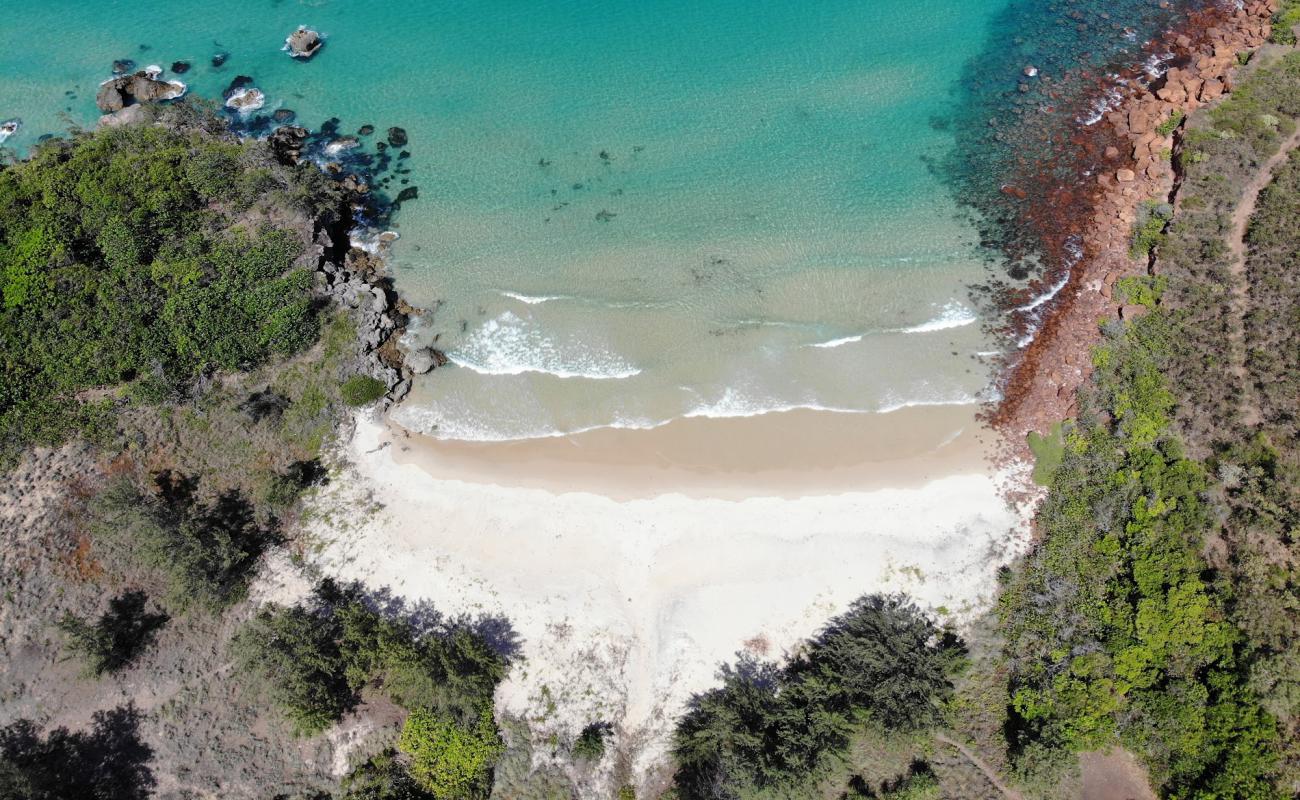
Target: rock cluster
x=1209, y=57
x=140, y=87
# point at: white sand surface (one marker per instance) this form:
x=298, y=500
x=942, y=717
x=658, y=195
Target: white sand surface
x=626, y=608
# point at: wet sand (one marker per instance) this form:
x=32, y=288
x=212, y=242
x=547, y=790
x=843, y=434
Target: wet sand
x=788, y=454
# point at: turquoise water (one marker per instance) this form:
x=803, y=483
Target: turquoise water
x=628, y=211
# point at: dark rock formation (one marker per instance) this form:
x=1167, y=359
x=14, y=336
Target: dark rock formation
x=117, y=93
x=218, y=59
x=286, y=144
x=180, y=67
x=397, y=137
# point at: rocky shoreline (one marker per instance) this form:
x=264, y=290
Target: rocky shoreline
x=1040, y=385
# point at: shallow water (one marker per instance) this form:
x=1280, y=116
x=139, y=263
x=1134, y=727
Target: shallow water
x=628, y=211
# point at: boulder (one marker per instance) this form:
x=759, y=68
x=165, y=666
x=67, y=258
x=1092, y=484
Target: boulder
x=116, y=93
x=123, y=116
x=1125, y=176
x=110, y=97
x=286, y=143
x=246, y=100
x=303, y=43
x=425, y=360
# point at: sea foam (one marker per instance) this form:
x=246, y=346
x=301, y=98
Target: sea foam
x=510, y=345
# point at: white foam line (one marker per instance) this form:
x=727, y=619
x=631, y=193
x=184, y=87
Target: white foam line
x=559, y=373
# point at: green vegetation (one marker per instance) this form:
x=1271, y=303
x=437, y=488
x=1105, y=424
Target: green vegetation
x=1114, y=629
x=317, y=658
x=1048, y=452
x=362, y=390
x=144, y=256
x=1170, y=125
x=449, y=758
x=770, y=728
x=205, y=552
x=590, y=745
x=1149, y=227
x=381, y=778
x=116, y=638
x=1285, y=21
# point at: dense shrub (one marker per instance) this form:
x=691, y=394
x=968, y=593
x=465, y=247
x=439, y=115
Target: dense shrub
x=316, y=658
x=360, y=390
x=205, y=551
x=769, y=726
x=381, y=778
x=133, y=255
x=590, y=744
x=451, y=758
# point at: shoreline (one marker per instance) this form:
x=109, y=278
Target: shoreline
x=787, y=454
x=1040, y=384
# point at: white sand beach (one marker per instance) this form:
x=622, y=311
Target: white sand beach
x=626, y=602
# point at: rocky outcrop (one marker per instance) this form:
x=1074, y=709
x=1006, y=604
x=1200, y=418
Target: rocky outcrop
x=1041, y=386
x=303, y=43
x=141, y=87
x=246, y=100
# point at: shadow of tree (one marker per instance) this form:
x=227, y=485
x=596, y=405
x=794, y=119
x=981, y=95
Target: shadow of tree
x=124, y=631
x=424, y=618
x=108, y=761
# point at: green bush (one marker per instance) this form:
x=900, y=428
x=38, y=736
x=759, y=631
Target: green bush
x=590, y=745
x=1170, y=125
x=360, y=390
x=449, y=758
x=1149, y=228
x=1285, y=20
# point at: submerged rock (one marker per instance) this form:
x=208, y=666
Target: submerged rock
x=180, y=67
x=219, y=59
x=365, y=130
x=397, y=137
x=341, y=144
x=409, y=193
x=303, y=43
x=122, y=66
x=283, y=115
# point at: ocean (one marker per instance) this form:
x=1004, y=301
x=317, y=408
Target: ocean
x=631, y=212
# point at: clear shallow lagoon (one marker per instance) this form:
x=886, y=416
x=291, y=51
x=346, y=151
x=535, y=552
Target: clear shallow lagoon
x=628, y=211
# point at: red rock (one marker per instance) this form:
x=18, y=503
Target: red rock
x=1125, y=176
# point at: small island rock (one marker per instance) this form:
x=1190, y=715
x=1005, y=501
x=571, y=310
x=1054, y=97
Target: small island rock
x=303, y=43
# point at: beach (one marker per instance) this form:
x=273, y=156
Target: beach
x=632, y=564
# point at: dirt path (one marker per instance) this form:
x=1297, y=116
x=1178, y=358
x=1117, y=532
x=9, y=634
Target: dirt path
x=1250, y=413
x=1007, y=791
